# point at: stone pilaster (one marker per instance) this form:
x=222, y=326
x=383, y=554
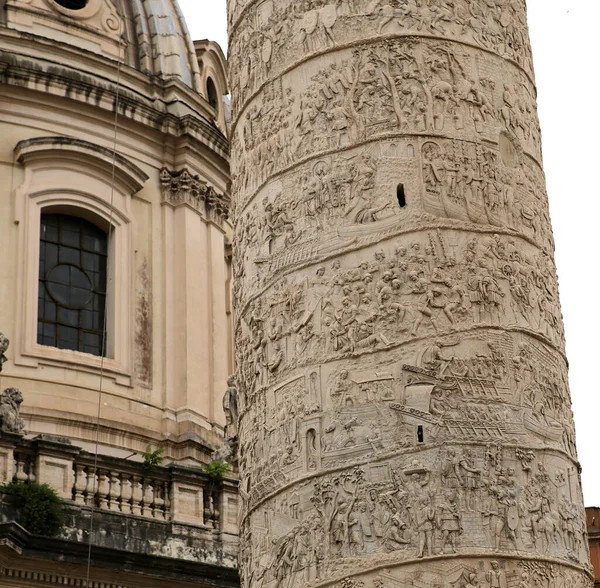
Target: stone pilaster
x=405, y=415
x=195, y=219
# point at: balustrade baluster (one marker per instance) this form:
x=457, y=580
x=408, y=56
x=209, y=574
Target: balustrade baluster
x=159, y=502
x=167, y=498
x=137, y=495
x=80, y=483
x=115, y=492
x=126, y=493
x=90, y=488
x=103, y=490
x=148, y=498
x=21, y=475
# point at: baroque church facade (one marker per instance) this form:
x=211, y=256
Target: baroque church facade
x=114, y=211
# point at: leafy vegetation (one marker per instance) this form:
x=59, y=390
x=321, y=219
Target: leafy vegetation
x=39, y=508
x=152, y=459
x=216, y=469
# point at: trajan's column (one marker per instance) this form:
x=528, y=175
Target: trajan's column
x=405, y=417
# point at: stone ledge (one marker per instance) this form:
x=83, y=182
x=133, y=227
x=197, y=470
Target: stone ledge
x=18, y=548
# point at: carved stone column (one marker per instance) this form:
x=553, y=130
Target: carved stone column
x=405, y=418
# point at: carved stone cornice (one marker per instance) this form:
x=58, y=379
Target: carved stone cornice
x=181, y=188
x=20, y=70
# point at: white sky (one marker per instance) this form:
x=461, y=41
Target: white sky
x=564, y=35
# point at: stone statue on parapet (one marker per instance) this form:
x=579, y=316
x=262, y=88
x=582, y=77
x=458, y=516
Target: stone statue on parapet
x=228, y=452
x=230, y=406
x=10, y=405
x=4, y=343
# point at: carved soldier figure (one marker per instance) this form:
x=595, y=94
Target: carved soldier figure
x=451, y=470
x=425, y=517
x=495, y=576
x=450, y=521
x=470, y=479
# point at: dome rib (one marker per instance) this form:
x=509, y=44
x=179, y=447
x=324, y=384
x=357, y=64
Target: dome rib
x=172, y=53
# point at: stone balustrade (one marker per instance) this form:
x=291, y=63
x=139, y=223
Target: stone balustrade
x=120, y=491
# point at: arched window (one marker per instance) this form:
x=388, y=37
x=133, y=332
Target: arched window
x=212, y=95
x=72, y=284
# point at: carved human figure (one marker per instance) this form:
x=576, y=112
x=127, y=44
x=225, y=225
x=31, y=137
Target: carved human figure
x=498, y=508
x=378, y=514
x=425, y=517
x=451, y=470
x=396, y=534
x=425, y=310
x=285, y=559
x=230, y=407
x=567, y=523
x=470, y=478
x=276, y=359
x=542, y=524
x=495, y=577
x=450, y=521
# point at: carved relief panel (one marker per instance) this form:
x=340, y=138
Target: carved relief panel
x=402, y=86
x=273, y=35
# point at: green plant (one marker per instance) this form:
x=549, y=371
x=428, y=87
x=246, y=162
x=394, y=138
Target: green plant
x=216, y=469
x=39, y=508
x=152, y=458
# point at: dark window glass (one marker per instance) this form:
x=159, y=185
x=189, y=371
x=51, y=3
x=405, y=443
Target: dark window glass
x=73, y=4
x=211, y=90
x=401, y=195
x=72, y=284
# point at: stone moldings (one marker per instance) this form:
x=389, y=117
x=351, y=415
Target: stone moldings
x=181, y=188
x=403, y=391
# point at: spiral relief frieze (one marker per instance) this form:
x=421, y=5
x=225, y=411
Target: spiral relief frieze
x=405, y=417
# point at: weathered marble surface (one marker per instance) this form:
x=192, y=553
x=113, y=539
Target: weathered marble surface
x=403, y=391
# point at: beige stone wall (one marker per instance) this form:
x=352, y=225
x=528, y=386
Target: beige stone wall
x=403, y=384
x=169, y=352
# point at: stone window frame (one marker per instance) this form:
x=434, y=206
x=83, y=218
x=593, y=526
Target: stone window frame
x=74, y=177
x=86, y=12
x=213, y=66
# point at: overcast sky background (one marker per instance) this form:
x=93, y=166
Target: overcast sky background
x=564, y=36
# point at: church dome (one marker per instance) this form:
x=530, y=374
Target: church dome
x=148, y=35
x=138, y=53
